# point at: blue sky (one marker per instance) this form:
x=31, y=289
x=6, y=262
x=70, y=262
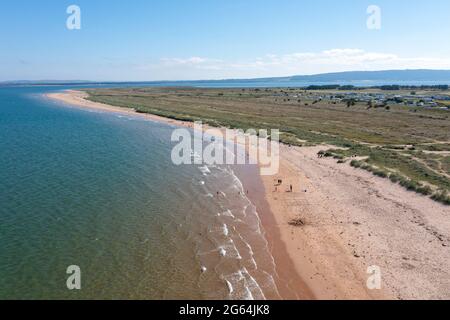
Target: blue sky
x=214, y=39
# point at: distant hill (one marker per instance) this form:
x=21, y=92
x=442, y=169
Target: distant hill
x=349, y=76
x=359, y=77
x=388, y=75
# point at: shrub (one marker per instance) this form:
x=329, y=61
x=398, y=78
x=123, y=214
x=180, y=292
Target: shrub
x=426, y=190
x=380, y=173
x=395, y=177
x=356, y=163
x=442, y=197
x=409, y=184
x=348, y=145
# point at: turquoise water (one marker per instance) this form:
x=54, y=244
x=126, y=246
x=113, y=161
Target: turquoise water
x=99, y=190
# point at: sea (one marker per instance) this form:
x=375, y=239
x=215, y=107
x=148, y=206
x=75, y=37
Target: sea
x=99, y=191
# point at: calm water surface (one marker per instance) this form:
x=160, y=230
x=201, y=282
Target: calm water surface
x=99, y=190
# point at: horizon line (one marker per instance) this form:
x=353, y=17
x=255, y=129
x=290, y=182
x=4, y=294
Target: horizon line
x=221, y=79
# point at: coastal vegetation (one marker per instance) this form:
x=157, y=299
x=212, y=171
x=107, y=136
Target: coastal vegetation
x=408, y=144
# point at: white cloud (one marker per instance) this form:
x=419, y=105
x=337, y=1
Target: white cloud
x=192, y=61
x=333, y=60
x=179, y=61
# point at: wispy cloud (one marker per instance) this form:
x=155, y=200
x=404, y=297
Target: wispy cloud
x=333, y=60
x=188, y=61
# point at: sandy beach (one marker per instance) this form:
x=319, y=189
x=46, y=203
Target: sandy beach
x=347, y=220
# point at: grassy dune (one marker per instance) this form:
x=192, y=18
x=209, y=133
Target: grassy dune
x=409, y=145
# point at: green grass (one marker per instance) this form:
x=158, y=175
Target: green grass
x=390, y=160
x=442, y=197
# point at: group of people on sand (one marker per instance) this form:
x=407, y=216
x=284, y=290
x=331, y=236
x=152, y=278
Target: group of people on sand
x=279, y=183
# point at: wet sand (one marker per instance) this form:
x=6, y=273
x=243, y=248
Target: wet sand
x=290, y=285
x=347, y=220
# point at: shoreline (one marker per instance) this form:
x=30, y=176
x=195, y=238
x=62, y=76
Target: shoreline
x=289, y=283
x=350, y=220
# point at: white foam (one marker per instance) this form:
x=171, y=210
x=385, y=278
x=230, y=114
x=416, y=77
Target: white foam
x=246, y=284
x=250, y=252
x=231, y=250
x=225, y=230
x=230, y=287
x=204, y=170
x=241, y=284
x=227, y=213
x=248, y=295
